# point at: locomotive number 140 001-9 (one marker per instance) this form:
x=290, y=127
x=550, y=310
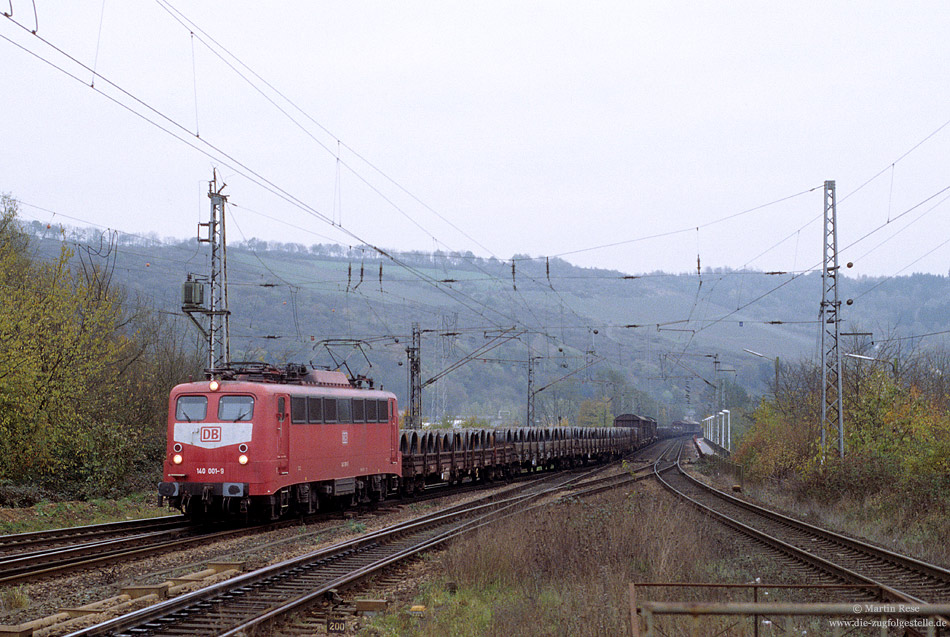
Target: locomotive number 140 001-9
x=210, y=471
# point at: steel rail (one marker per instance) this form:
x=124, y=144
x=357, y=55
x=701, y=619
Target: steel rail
x=225, y=597
x=374, y=567
x=25, y=562
x=9, y=544
x=73, y=559
x=915, y=567
x=610, y=482
x=24, y=566
x=910, y=563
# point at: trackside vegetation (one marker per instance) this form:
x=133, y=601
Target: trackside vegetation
x=566, y=569
x=894, y=480
x=84, y=374
x=562, y=570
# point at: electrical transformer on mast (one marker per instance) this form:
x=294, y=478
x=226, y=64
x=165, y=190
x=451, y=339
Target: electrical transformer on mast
x=193, y=291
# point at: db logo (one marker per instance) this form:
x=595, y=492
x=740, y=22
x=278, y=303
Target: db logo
x=211, y=434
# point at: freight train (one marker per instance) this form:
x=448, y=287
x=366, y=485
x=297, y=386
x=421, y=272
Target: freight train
x=267, y=442
x=683, y=427
x=644, y=424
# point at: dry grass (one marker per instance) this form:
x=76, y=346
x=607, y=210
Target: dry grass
x=566, y=570
x=14, y=598
x=882, y=517
x=921, y=533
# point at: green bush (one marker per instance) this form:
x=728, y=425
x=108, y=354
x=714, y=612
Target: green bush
x=84, y=375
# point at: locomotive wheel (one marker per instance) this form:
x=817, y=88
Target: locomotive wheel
x=196, y=510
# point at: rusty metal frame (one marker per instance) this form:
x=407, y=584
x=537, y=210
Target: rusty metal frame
x=649, y=610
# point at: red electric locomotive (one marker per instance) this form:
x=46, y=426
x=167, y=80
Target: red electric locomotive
x=265, y=441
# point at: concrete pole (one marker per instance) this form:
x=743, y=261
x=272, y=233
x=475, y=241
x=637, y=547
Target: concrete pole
x=729, y=430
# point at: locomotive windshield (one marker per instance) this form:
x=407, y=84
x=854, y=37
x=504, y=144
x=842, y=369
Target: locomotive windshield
x=191, y=408
x=235, y=408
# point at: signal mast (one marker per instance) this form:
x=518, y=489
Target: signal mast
x=217, y=315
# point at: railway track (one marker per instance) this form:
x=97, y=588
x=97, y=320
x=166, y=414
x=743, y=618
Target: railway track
x=39, y=540
x=666, y=457
x=30, y=556
x=248, y=601
x=899, y=577
x=30, y=566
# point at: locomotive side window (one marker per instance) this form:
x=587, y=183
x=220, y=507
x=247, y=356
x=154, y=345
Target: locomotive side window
x=329, y=410
x=191, y=408
x=344, y=411
x=235, y=408
x=298, y=409
x=383, y=407
x=315, y=409
x=371, y=411
x=359, y=413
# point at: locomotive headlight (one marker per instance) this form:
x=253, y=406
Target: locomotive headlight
x=177, y=459
x=242, y=459
x=213, y=385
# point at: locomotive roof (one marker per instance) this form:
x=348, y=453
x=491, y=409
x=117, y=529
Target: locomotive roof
x=257, y=387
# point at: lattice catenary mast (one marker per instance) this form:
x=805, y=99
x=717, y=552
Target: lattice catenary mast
x=831, y=406
x=217, y=333
x=415, y=379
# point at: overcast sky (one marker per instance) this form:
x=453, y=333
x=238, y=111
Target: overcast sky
x=539, y=128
